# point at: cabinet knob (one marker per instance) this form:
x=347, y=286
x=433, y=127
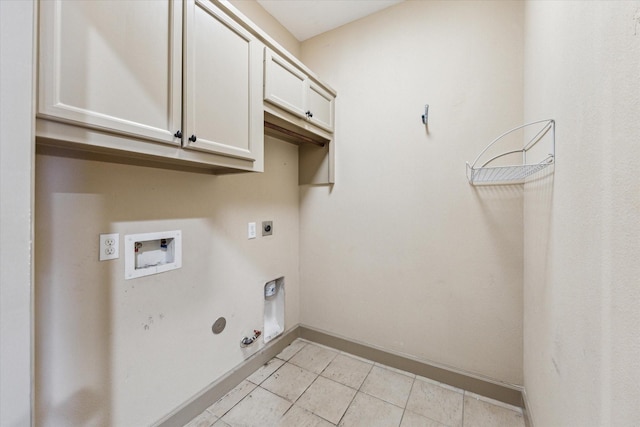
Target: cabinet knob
x=192, y=138
x=309, y=114
x=178, y=134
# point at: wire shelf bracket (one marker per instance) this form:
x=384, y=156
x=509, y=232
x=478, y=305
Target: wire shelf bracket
x=486, y=174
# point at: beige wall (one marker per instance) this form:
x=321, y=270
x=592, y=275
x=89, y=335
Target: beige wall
x=122, y=352
x=582, y=233
x=269, y=24
x=16, y=210
x=403, y=253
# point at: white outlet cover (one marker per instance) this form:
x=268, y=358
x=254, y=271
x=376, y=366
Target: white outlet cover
x=251, y=230
x=109, y=246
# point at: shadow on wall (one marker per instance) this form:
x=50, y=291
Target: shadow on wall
x=538, y=193
x=494, y=201
x=83, y=408
x=73, y=309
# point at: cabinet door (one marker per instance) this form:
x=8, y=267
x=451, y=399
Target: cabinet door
x=113, y=66
x=284, y=85
x=223, y=110
x=320, y=106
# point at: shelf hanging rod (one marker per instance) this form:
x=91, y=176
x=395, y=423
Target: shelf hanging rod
x=538, y=137
x=550, y=121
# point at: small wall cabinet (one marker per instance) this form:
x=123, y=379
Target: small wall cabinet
x=112, y=78
x=291, y=89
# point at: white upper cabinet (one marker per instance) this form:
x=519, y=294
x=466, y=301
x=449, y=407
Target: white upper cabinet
x=176, y=81
x=289, y=88
x=113, y=66
x=320, y=106
x=284, y=84
x=223, y=111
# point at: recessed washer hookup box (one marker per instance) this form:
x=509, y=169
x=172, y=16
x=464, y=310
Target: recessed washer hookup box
x=152, y=253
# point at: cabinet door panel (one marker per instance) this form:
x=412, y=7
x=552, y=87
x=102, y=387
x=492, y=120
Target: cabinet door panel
x=114, y=66
x=285, y=85
x=320, y=103
x=223, y=103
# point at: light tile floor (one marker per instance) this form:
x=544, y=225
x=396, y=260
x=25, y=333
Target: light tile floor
x=309, y=385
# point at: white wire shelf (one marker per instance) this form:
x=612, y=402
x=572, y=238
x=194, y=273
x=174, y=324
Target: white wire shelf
x=515, y=174
x=486, y=174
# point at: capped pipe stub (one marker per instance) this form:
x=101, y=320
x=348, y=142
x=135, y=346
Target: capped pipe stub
x=247, y=341
x=219, y=325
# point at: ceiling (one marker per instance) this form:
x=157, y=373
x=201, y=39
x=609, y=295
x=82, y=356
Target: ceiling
x=307, y=18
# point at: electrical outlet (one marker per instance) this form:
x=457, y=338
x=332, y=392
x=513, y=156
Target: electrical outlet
x=267, y=228
x=251, y=230
x=109, y=246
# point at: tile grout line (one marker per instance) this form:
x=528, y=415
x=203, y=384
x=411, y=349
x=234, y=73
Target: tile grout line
x=404, y=410
x=293, y=355
x=348, y=406
x=311, y=412
x=309, y=386
x=256, y=386
x=357, y=391
x=313, y=382
x=305, y=390
x=236, y=404
x=464, y=393
x=384, y=367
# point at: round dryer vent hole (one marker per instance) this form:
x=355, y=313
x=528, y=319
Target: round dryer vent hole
x=219, y=325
